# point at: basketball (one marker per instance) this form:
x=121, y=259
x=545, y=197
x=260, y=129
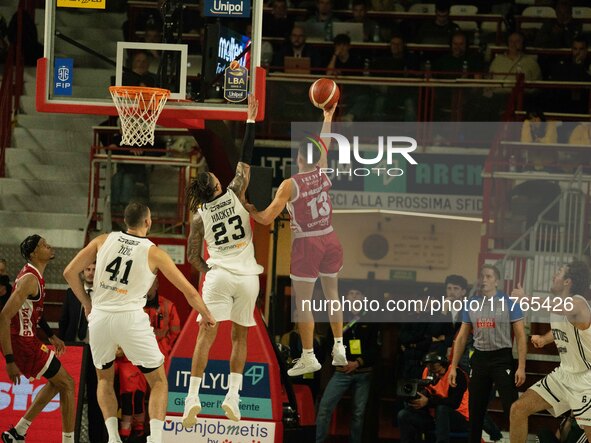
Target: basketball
x=234, y=64
x=324, y=93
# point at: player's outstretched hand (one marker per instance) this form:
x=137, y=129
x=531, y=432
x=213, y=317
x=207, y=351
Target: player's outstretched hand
x=58, y=344
x=14, y=373
x=518, y=291
x=329, y=112
x=253, y=107
x=250, y=207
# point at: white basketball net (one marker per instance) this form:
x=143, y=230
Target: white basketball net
x=138, y=109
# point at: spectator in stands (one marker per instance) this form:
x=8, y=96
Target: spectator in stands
x=163, y=318
x=506, y=68
x=577, y=68
x=389, y=100
x=73, y=327
x=371, y=29
x=323, y=13
x=297, y=47
x=279, y=23
x=362, y=342
x=399, y=59
x=536, y=129
x=514, y=61
x=439, y=31
x=343, y=62
x=356, y=98
x=140, y=74
x=459, y=60
x=441, y=407
x=560, y=32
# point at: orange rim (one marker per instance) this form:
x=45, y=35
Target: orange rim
x=134, y=91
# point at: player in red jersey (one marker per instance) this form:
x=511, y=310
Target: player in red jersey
x=24, y=353
x=316, y=250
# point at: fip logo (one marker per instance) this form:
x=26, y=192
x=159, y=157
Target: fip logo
x=62, y=79
x=227, y=8
x=63, y=73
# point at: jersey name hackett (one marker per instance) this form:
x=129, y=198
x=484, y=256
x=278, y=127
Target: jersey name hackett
x=228, y=235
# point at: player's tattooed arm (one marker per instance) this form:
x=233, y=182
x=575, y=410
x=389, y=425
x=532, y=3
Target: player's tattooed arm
x=240, y=182
x=195, y=243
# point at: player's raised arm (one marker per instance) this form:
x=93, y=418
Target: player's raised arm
x=282, y=197
x=84, y=258
x=240, y=182
x=160, y=260
x=326, y=128
x=26, y=286
x=195, y=244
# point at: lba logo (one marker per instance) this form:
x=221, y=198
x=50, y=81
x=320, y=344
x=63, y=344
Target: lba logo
x=387, y=148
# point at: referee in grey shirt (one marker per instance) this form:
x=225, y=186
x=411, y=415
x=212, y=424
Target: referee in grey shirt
x=491, y=317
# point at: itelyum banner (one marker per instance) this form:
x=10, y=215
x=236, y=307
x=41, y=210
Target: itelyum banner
x=255, y=393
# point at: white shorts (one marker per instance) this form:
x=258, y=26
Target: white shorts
x=566, y=391
x=230, y=296
x=131, y=330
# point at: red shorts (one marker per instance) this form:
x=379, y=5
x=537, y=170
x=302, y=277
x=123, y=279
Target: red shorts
x=131, y=378
x=316, y=256
x=31, y=356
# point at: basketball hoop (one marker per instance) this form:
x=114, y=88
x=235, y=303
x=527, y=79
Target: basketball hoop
x=138, y=109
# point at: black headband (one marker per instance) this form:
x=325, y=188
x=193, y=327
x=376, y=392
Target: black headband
x=29, y=244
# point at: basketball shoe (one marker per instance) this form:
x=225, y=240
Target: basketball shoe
x=192, y=408
x=339, y=356
x=11, y=435
x=305, y=364
x=231, y=406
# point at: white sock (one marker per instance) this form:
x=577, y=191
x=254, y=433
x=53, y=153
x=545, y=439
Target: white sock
x=112, y=429
x=308, y=351
x=67, y=437
x=194, y=385
x=235, y=383
x=338, y=340
x=22, y=426
x=156, y=430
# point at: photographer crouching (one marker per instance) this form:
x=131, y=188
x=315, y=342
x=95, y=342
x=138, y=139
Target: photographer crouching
x=437, y=407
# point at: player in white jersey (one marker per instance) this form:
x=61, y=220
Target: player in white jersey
x=568, y=387
x=126, y=266
x=231, y=284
